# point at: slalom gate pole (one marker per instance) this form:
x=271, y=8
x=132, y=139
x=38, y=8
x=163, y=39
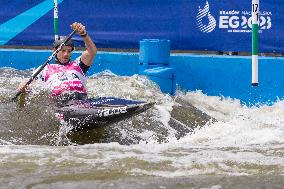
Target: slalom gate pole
x=255, y=21
x=56, y=19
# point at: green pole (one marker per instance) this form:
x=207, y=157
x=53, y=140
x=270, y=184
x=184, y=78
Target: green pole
x=56, y=19
x=255, y=21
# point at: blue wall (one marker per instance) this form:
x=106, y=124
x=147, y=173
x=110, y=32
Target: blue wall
x=118, y=63
x=188, y=24
x=229, y=76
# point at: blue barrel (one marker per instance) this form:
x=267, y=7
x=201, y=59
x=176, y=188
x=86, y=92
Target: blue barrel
x=153, y=53
x=154, y=59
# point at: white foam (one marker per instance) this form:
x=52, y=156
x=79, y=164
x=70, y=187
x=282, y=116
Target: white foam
x=243, y=141
x=237, y=125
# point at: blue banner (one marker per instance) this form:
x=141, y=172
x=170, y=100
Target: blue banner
x=215, y=25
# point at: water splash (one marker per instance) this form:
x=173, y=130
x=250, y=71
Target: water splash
x=237, y=125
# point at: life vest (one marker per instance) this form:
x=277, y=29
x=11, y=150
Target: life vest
x=63, y=79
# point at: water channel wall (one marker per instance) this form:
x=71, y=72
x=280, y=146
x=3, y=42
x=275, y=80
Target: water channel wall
x=214, y=75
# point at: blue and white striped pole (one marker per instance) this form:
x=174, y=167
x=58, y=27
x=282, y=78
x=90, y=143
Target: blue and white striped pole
x=255, y=21
x=56, y=19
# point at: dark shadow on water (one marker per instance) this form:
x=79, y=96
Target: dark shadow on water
x=185, y=118
x=28, y=122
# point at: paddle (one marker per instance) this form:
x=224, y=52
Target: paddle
x=45, y=63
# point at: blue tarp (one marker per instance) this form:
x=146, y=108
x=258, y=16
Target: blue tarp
x=216, y=25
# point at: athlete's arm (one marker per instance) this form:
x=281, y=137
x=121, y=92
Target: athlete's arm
x=91, y=49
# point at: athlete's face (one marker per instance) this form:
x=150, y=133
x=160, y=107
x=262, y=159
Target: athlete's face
x=64, y=54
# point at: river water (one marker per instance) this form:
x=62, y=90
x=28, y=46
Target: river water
x=233, y=146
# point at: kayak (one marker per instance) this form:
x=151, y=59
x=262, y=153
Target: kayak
x=95, y=112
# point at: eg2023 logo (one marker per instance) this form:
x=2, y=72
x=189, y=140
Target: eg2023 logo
x=231, y=20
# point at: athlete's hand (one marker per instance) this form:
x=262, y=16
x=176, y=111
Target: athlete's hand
x=79, y=28
x=23, y=88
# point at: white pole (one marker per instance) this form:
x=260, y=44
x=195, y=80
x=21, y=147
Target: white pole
x=56, y=19
x=255, y=21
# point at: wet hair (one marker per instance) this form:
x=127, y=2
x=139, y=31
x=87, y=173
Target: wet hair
x=60, y=40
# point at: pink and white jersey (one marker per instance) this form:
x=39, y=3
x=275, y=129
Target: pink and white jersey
x=64, y=78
